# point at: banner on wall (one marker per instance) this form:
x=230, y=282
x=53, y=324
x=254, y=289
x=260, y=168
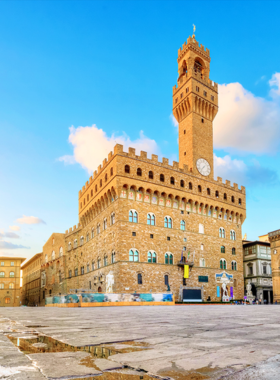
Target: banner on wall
x=186, y=271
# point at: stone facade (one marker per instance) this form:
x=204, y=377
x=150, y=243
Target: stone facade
x=31, y=281
x=10, y=281
x=257, y=268
x=274, y=238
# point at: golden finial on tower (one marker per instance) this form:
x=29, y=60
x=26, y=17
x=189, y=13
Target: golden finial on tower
x=194, y=29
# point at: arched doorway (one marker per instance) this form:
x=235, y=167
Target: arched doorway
x=99, y=289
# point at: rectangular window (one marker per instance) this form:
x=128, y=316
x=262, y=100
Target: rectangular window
x=133, y=233
x=212, y=97
x=168, y=237
x=151, y=236
x=181, y=96
x=12, y=264
x=197, y=88
x=90, y=284
x=187, y=89
x=202, y=278
x=2, y=263
x=204, y=93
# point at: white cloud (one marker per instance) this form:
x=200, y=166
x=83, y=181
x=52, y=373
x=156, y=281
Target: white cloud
x=173, y=121
x=7, y=245
x=14, y=228
x=246, y=122
x=243, y=174
x=30, y=220
x=10, y=235
x=91, y=145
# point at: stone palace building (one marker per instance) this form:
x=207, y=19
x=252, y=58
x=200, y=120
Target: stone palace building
x=143, y=220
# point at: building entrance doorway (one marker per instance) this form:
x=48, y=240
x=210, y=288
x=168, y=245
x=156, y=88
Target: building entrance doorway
x=99, y=289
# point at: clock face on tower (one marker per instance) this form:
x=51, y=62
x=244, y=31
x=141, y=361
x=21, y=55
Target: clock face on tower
x=203, y=167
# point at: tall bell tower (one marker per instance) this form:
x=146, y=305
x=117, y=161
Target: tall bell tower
x=195, y=104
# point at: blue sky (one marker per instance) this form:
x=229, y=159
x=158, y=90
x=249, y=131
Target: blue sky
x=113, y=64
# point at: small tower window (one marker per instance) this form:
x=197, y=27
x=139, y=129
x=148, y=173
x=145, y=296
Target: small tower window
x=151, y=175
x=161, y=178
x=184, y=131
x=172, y=181
x=225, y=196
x=217, y=194
x=199, y=188
x=208, y=191
x=202, y=120
x=182, y=183
x=232, y=199
x=139, y=172
x=190, y=186
x=240, y=201
x=127, y=169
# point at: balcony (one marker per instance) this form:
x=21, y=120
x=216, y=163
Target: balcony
x=182, y=263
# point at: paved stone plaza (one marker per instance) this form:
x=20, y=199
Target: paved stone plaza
x=178, y=342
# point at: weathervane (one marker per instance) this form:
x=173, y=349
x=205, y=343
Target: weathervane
x=194, y=29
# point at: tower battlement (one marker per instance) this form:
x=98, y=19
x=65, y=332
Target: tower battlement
x=192, y=43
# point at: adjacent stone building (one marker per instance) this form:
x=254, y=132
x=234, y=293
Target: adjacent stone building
x=143, y=220
x=274, y=238
x=31, y=281
x=53, y=267
x=257, y=268
x=10, y=281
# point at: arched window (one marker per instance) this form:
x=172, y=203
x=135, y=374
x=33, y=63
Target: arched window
x=112, y=218
x=127, y=169
x=87, y=237
x=98, y=262
x=7, y=300
x=264, y=268
x=100, y=183
x=81, y=240
x=199, y=188
x=92, y=265
x=60, y=251
x=201, y=228
x=105, y=260
x=12, y=274
x=2, y=274
x=91, y=193
x=161, y=178
x=151, y=219
x=225, y=196
x=133, y=216
x=139, y=172
x=233, y=265
x=152, y=257
x=233, y=251
x=223, y=249
x=105, y=224
x=46, y=258
x=69, y=246
x=232, y=235
x=82, y=270
x=182, y=183
x=168, y=222
x=98, y=229
x=112, y=171
x=133, y=255
x=202, y=262
x=106, y=177
x=172, y=181
x=96, y=188
x=166, y=280
x=222, y=232
x=217, y=194
x=53, y=255
x=190, y=186
x=202, y=247
x=208, y=191
x=223, y=264
x=183, y=225
x=75, y=243
x=240, y=201
x=151, y=175
x=139, y=279
x=76, y=272
x=232, y=199
x=113, y=255
x=70, y=273
x=2, y=286
x=168, y=258
x=92, y=233
x=88, y=197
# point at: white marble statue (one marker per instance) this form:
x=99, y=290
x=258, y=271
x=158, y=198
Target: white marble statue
x=249, y=289
x=224, y=287
x=109, y=282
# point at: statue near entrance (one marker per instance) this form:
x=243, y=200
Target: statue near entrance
x=109, y=282
x=249, y=289
x=225, y=292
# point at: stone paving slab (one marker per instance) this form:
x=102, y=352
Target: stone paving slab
x=226, y=340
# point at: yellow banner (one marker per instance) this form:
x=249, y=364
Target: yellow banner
x=186, y=271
